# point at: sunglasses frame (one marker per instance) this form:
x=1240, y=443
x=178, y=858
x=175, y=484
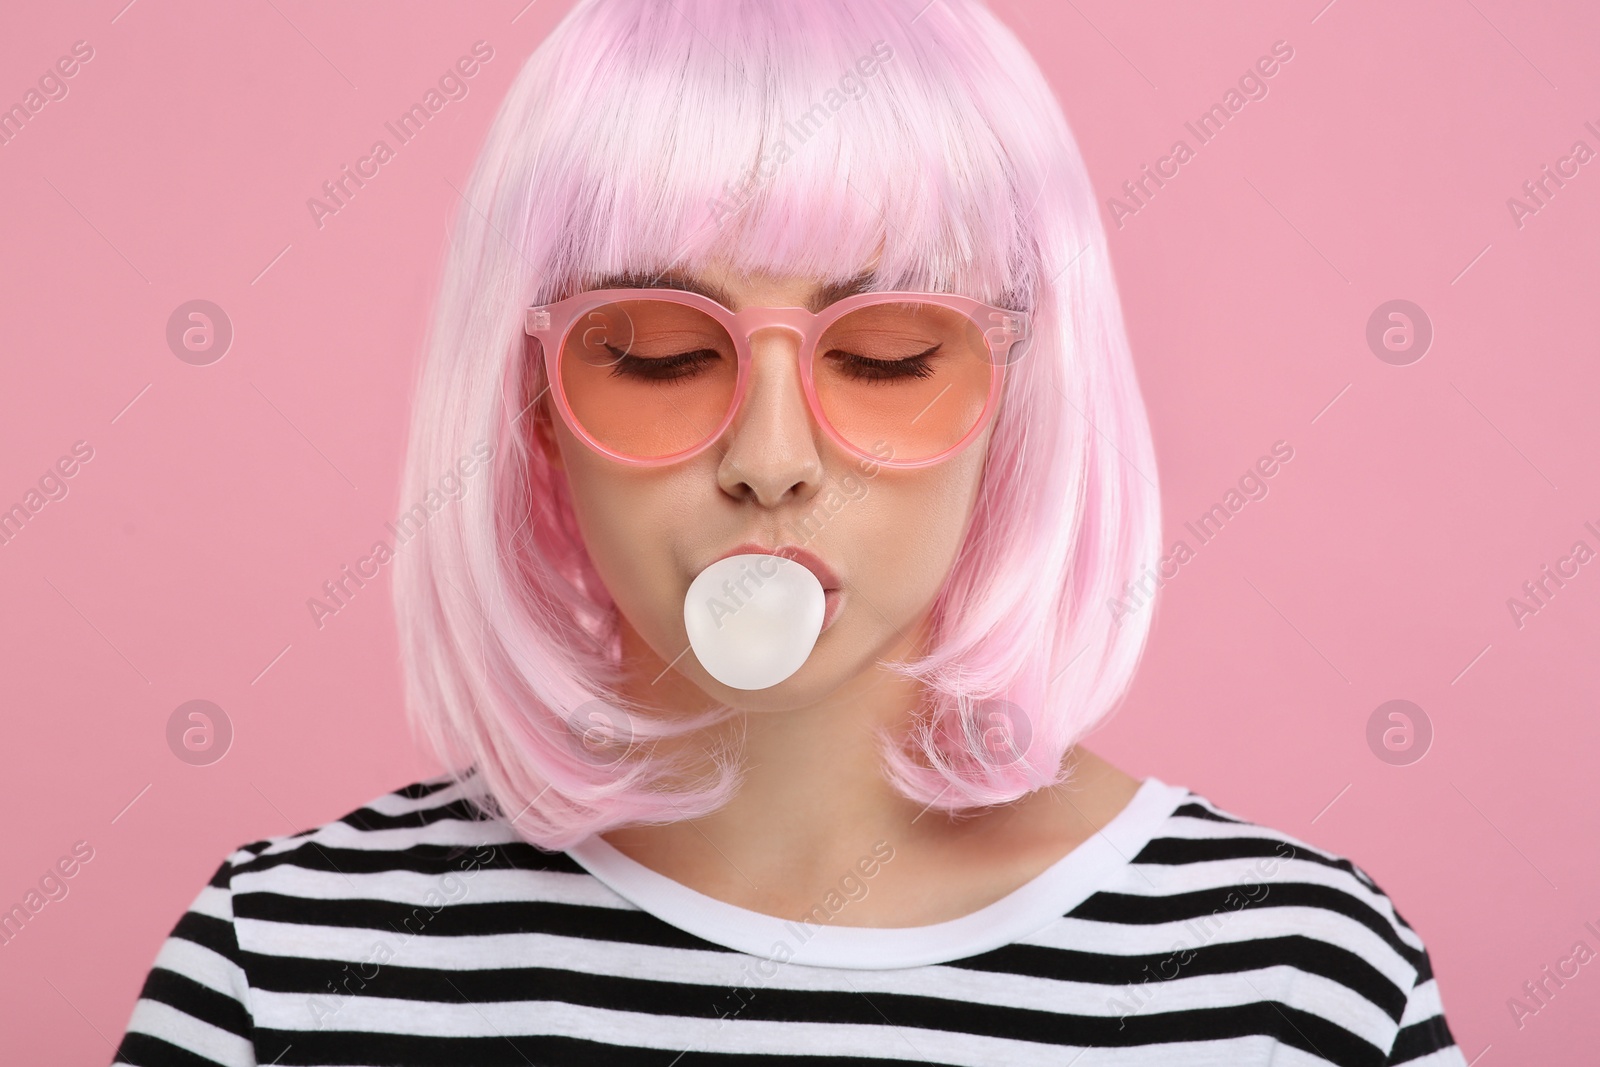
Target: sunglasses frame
x=551, y=324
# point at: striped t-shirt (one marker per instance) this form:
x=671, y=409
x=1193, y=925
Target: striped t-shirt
x=419, y=930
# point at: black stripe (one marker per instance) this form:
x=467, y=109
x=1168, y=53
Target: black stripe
x=1401, y=919
x=1132, y=909
x=1176, y=851
x=520, y=1051
x=255, y=848
x=429, y=786
x=460, y=810
x=467, y=919
x=215, y=934
x=142, y=1050
x=1419, y=1039
x=221, y=876
x=420, y=858
x=1147, y=972
x=1194, y=809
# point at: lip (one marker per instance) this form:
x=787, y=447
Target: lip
x=807, y=559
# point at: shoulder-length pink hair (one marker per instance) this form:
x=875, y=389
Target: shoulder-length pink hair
x=801, y=137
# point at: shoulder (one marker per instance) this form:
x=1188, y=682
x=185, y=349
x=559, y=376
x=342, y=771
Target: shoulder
x=1202, y=848
x=424, y=830
x=423, y=873
x=1269, y=916
x=289, y=928
x=422, y=857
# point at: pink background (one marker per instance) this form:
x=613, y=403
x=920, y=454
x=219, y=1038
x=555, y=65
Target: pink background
x=1378, y=567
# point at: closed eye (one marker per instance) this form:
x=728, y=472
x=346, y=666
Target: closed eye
x=867, y=369
x=662, y=368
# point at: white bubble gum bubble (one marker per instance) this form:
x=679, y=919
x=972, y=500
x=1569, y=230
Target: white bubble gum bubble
x=753, y=619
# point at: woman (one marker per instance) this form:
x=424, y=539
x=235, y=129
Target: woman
x=821, y=286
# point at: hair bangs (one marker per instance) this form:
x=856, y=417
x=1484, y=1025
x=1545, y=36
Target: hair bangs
x=825, y=152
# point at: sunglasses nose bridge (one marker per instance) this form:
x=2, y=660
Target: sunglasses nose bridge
x=754, y=325
x=762, y=327
x=752, y=321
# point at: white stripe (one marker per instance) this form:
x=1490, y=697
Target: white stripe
x=479, y=885
x=1424, y=1003
x=1164, y=879
x=1231, y=1052
x=684, y=1034
x=191, y=1034
x=201, y=964
x=213, y=902
x=395, y=804
x=447, y=832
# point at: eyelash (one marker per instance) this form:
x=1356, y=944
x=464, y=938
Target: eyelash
x=685, y=364
x=665, y=369
x=866, y=369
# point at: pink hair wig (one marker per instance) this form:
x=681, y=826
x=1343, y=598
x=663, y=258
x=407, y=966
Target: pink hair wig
x=804, y=138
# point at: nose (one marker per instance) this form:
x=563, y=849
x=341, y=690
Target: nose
x=772, y=453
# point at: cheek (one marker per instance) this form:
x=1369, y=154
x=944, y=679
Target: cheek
x=626, y=519
x=634, y=527
x=912, y=526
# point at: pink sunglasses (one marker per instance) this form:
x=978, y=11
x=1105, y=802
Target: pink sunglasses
x=653, y=376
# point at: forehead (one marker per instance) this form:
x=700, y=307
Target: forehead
x=735, y=291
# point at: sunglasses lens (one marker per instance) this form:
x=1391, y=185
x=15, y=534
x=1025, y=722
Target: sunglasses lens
x=649, y=378
x=904, y=381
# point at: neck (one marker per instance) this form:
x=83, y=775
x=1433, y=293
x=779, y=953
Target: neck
x=814, y=802
x=813, y=788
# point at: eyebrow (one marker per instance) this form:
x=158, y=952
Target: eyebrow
x=824, y=295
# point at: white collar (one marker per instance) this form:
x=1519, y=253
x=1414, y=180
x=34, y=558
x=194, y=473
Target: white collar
x=1024, y=911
